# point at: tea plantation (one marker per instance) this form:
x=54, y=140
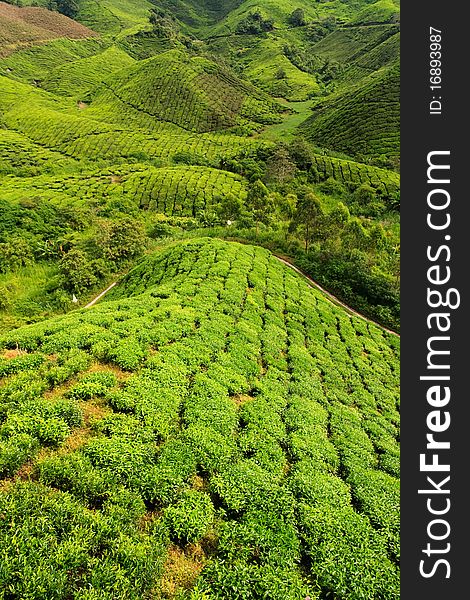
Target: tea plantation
x=215, y=429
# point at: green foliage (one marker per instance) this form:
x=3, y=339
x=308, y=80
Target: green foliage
x=77, y=271
x=255, y=23
x=69, y=8
x=71, y=549
x=347, y=555
x=190, y=517
x=255, y=423
x=297, y=18
x=95, y=384
x=213, y=414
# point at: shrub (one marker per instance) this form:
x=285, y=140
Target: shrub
x=127, y=354
x=239, y=581
x=15, y=452
x=94, y=384
x=74, y=473
x=348, y=557
x=190, y=517
x=20, y=363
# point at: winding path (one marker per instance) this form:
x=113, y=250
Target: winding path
x=331, y=297
x=95, y=300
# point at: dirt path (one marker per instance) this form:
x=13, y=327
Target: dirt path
x=95, y=300
x=331, y=297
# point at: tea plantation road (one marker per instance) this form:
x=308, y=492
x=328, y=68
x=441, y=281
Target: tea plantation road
x=95, y=300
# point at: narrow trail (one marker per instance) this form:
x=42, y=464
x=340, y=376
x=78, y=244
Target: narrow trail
x=95, y=300
x=331, y=297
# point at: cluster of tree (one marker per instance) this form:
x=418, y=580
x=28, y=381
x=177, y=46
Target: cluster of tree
x=163, y=25
x=113, y=243
x=69, y=8
x=317, y=30
x=297, y=18
x=255, y=23
x=87, y=247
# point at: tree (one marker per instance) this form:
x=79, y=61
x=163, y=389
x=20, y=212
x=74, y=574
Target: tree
x=364, y=194
x=286, y=206
x=163, y=25
x=259, y=203
x=279, y=166
x=255, y=23
x=77, y=271
x=297, y=18
x=302, y=154
x=121, y=239
x=69, y=8
x=229, y=208
x=14, y=254
x=354, y=236
x=309, y=214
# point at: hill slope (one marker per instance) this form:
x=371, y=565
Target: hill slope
x=34, y=25
x=363, y=120
x=215, y=425
x=193, y=93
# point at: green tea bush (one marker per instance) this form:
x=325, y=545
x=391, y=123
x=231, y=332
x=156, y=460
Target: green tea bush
x=238, y=580
x=20, y=363
x=49, y=431
x=75, y=474
x=316, y=488
x=127, y=354
x=347, y=556
x=15, y=452
x=247, y=485
x=261, y=421
x=378, y=496
x=94, y=384
x=190, y=517
x=70, y=548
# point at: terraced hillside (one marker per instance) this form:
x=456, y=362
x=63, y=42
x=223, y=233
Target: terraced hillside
x=30, y=26
x=214, y=429
x=175, y=114
x=173, y=191
x=195, y=94
x=363, y=120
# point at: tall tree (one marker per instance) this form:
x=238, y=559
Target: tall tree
x=259, y=203
x=309, y=214
x=297, y=18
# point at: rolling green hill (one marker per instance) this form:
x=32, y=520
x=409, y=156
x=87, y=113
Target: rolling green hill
x=193, y=93
x=215, y=427
x=362, y=120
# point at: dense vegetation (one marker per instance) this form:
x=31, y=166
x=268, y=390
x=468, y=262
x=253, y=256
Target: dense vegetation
x=215, y=428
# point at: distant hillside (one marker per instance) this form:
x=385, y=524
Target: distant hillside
x=199, y=12
x=361, y=121
x=193, y=93
x=20, y=27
